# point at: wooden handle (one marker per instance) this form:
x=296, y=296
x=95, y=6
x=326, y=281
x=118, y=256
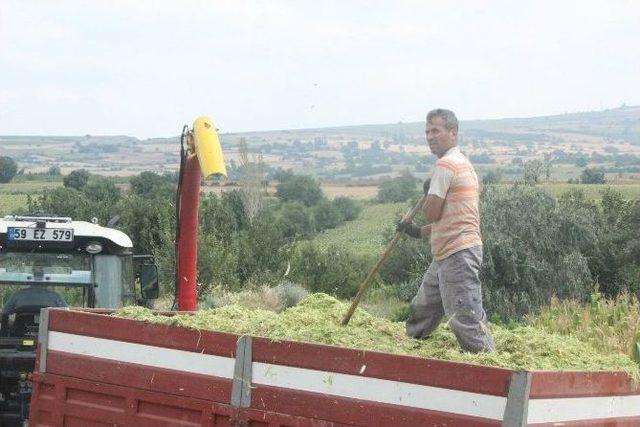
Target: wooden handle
x=367, y=282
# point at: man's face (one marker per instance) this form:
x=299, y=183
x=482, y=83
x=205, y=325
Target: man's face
x=439, y=138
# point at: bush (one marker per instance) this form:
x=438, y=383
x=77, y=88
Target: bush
x=8, y=169
x=334, y=271
x=64, y=202
x=408, y=261
x=290, y=294
x=349, y=209
x=301, y=188
x=296, y=221
x=54, y=171
x=147, y=183
x=326, y=215
x=222, y=216
x=532, y=171
x=398, y=189
x=77, y=179
x=264, y=251
x=532, y=250
x=492, y=177
x=217, y=264
x=592, y=176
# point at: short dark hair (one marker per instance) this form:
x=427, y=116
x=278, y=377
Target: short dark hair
x=448, y=117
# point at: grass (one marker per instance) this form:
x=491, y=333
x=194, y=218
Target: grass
x=609, y=325
x=28, y=187
x=11, y=202
x=364, y=235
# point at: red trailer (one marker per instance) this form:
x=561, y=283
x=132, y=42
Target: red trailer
x=97, y=370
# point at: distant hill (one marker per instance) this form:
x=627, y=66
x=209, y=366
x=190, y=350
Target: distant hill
x=610, y=138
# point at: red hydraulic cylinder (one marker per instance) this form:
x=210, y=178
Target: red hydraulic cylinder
x=188, y=241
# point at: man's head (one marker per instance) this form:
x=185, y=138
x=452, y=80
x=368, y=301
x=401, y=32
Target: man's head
x=442, y=131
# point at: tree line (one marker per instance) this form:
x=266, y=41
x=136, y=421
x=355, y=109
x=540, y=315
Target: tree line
x=535, y=246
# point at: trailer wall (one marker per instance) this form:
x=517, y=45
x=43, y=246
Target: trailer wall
x=95, y=369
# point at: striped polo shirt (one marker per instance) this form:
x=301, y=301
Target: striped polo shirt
x=455, y=181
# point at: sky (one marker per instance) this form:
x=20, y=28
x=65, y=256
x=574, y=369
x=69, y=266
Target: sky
x=144, y=68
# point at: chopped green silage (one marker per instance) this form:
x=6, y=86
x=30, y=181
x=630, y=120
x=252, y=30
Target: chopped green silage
x=316, y=319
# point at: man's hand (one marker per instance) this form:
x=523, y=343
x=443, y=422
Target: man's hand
x=425, y=186
x=410, y=229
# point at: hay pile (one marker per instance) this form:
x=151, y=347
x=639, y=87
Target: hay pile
x=317, y=319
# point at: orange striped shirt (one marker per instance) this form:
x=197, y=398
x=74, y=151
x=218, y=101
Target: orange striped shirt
x=455, y=181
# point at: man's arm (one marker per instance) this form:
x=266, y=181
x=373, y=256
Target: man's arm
x=437, y=191
x=433, y=208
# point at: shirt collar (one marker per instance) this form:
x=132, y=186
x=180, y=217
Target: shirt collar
x=453, y=150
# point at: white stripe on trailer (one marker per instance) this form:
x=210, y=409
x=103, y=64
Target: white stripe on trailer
x=141, y=354
x=380, y=391
x=583, y=408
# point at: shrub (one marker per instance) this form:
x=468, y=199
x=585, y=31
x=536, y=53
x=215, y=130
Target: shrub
x=296, y=221
x=76, y=179
x=290, y=294
x=147, y=183
x=349, y=209
x=326, y=215
x=217, y=264
x=302, y=188
x=8, y=169
x=263, y=250
x=398, y=189
x=532, y=251
x=492, y=177
x=592, y=176
x=334, y=271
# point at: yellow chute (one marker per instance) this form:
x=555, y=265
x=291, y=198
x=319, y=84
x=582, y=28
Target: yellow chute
x=207, y=147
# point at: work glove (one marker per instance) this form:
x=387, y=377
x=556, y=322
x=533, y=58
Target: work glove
x=425, y=186
x=409, y=228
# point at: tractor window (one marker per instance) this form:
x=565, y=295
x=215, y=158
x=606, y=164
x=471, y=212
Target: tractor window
x=113, y=280
x=45, y=268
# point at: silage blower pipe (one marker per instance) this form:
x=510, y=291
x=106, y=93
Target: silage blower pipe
x=188, y=242
x=204, y=159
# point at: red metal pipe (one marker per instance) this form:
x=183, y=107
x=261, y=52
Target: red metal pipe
x=188, y=242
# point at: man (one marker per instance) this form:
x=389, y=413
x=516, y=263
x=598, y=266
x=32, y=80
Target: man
x=451, y=285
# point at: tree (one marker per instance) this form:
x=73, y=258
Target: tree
x=582, y=161
x=326, y=215
x=532, y=171
x=76, y=179
x=493, y=176
x=296, y=220
x=148, y=183
x=592, y=176
x=398, y=189
x=250, y=180
x=54, y=171
x=535, y=248
x=102, y=190
x=302, y=188
x=8, y=169
x=347, y=207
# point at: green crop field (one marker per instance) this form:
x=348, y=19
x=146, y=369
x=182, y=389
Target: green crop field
x=10, y=202
x=28, y=187
x=364, y=236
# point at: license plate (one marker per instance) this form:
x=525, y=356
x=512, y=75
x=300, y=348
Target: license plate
x=40, y=234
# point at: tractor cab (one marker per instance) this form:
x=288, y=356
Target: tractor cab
x=48, y=261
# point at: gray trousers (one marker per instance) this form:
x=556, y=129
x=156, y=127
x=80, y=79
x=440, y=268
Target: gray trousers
x=451, y=288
